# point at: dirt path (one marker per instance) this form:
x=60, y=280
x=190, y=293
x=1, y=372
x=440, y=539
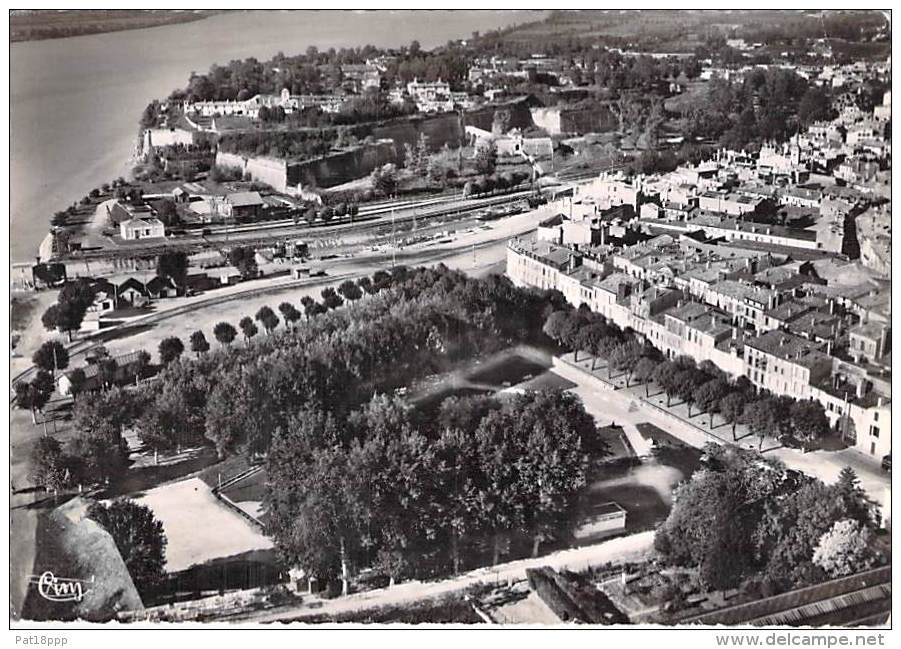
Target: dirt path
x=625, y=548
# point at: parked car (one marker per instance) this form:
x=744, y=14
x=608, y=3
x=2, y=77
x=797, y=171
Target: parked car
x=887, y=463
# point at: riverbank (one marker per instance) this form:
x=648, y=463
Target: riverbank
x=90, y=91
x=26, y=25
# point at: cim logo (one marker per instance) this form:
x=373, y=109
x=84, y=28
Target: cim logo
x=60, y=589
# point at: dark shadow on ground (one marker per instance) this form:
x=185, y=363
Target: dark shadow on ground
x=246, y=570
x=141, y=479
x=123, y=332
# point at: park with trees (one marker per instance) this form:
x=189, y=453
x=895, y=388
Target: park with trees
x=348, y=467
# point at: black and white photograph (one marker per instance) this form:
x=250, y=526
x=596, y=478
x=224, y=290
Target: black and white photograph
x=442, y=319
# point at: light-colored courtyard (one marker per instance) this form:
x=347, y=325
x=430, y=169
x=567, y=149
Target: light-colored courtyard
x=198, y=527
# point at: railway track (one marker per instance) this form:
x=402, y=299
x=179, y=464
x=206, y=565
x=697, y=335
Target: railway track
x=379, y=216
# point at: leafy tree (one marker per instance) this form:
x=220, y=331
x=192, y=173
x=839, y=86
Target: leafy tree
x=199, y=344
x=845, y=549
x=266, y=317
x=350, y=291
x=665, y=375
x=48, y=464
x=384, y=179
x=307, y=303
x=367, y=286
x=856, y=501
x=653, y=122
x=175, y=412
x=314, y=511
x=173, y=265
x=707, y=396
x=790, y=532
x=138, y=535
x=808, y=420
x=51, y=356
x=625, y=357
x=224, y=333
x=248, y=328
x=761, y=418
x=644, y=372
x=100, y=421
x=244, y=259
x=65, y=316
x=381, y=279
x=732, y=407
x=556, y=327
x=716, y=514
x=289, y=313
x=107, y=372
x=687, y=381
x=141, y=365
x=486, y=159
x=77, y=380
x=170, y=349
x=331, y=299
x=33, y=395
x=50, y=317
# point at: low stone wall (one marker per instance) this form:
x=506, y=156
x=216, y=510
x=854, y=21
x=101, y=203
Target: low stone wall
x=576, y=374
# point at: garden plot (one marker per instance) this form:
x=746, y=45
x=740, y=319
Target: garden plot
x=199, y=528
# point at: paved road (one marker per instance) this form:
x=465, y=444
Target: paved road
x=825, y=465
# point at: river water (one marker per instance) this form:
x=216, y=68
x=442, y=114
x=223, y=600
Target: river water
x=75, y=102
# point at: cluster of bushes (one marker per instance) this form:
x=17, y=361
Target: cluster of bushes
x=281, y=144
x=746, y=521
x=495, y=182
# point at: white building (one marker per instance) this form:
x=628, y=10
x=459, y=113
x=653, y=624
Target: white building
x=143, y=228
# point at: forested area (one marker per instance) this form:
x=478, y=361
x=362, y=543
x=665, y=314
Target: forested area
x=768, y=105
x=356, y=478
x=317, y=71
x=748, y=522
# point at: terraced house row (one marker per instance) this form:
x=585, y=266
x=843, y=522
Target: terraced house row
x=752, y=313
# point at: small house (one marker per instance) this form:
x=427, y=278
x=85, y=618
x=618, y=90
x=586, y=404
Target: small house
x=160, y=287
x=132, y=291
x=142, y=228
x=127, y=368
x=243, y=205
